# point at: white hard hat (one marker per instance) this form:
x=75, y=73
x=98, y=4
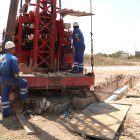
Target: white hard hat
x=9, y=45
x=75, y=24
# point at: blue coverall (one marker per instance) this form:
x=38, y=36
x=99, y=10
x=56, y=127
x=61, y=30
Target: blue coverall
x=79, y=46
x=9, y=78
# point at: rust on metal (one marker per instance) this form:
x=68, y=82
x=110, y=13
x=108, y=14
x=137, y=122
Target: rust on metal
x=58, y=81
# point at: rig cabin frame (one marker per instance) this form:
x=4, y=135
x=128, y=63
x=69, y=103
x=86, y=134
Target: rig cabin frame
x=43, y=43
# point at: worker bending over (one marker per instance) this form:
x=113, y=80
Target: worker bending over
x=10, y=77
x=79, y=47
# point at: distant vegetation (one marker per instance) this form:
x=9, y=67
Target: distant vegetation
x=101, y=59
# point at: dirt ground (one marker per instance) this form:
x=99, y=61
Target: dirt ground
x=50, y=127
x=130, y=128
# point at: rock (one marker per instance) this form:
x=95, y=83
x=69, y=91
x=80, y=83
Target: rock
x=81, y=103
x=42, y=106
x=58, y=108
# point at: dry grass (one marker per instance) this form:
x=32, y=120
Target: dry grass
x=109, y=61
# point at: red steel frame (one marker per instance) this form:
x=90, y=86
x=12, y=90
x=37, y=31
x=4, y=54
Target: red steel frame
x=47, y=33
x=44, y=25
x=23, y=56
x=58, y=82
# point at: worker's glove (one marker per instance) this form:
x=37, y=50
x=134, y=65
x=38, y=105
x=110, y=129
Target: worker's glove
x=16, y=75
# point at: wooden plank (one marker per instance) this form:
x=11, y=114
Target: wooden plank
x=26, y=125
x=100, y=120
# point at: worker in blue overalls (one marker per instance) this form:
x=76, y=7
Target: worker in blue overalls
x=79, y=47
x=9, y=70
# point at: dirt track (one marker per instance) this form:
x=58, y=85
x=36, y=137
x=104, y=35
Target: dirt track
x=102, y=73
x=50, y=127
x=130, y=128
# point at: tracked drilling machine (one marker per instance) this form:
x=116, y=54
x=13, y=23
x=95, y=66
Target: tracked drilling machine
x=43, y=44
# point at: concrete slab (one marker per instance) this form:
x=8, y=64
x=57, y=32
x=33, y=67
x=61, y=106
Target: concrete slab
x=100, y=120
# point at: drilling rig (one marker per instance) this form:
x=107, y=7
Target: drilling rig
x=43, y=43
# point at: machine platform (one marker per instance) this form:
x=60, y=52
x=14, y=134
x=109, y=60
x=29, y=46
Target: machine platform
x=59, y=80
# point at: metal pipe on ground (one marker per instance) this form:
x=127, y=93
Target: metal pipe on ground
x=116, y=94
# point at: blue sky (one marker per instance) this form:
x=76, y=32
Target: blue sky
x=116, y=24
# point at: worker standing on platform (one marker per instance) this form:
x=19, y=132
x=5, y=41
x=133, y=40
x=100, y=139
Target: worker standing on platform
x=79, y=47
x=10, y=77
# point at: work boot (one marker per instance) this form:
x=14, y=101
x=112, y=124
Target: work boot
x=6, y=115
x=74, y=70
x=80, y=70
